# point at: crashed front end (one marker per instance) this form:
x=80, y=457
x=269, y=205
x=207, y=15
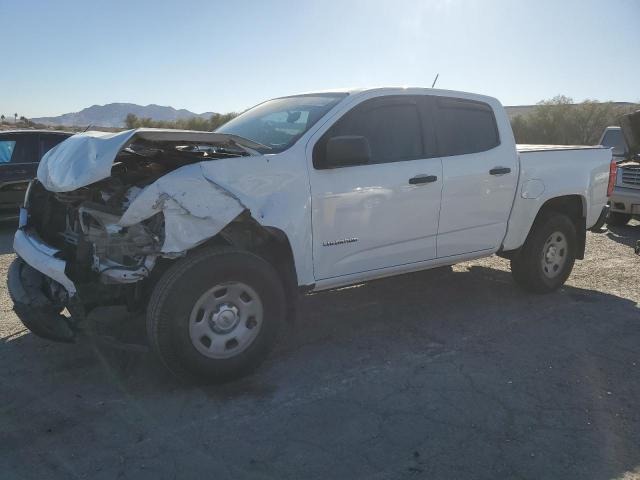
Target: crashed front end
x=85, y=241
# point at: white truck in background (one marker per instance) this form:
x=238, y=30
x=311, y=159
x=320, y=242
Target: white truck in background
x=215, y=234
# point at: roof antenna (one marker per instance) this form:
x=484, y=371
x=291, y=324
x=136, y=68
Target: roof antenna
x=435, y=80
x=91, y=125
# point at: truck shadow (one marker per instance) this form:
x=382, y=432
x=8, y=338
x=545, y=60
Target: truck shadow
x=436, y=306
x=7, y=229
x=627, y=235
x=461, y=353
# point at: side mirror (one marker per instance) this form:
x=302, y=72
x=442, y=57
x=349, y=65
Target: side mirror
x=347, y=150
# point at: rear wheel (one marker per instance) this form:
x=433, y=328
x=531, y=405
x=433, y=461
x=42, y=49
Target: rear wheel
x=618, y=219
x=215, y=315
x=547, y=257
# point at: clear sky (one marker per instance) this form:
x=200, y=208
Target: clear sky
x=61, y=56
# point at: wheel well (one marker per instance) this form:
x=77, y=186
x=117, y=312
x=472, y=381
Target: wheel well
x=270, y=243
x=573, y=206
x=246, y=233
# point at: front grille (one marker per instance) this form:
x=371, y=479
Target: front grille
x=631, y=175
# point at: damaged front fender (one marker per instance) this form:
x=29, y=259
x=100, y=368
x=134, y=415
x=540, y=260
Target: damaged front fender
x=195, y=207
x=100, y=196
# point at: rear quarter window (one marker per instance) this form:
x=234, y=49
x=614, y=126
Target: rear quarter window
x=465, y=126
x=614, y=139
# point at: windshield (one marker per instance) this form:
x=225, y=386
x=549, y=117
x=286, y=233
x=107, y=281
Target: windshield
x=613, y=138
x=278, y=123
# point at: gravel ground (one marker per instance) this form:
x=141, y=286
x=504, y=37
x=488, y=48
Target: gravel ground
x=451, y=373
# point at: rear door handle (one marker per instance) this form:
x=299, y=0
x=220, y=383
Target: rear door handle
x=499, y=171
x=420, y=179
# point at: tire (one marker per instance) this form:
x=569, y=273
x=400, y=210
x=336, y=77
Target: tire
x=618, y=219
x=545, y=261
x=195, y=305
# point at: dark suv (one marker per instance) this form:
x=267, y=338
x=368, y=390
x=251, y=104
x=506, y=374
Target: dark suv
x=20, y=152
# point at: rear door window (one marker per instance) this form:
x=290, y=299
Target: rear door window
x=6, y=150
x=465, y=126
x=21, y=148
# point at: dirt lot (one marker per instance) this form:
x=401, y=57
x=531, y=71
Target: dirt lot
x=452, y=373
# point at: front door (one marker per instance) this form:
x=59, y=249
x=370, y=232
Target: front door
x=383, y=213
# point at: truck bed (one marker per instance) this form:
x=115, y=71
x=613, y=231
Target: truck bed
x=549, y=169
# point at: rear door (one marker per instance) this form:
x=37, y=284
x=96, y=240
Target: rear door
x=385, y=213
x=480, y=177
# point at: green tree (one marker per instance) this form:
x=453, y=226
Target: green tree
x=563, y=122
x=2, y=118
x=191, y=123
x=131, y=121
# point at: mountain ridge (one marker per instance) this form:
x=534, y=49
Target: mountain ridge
x=114, y=115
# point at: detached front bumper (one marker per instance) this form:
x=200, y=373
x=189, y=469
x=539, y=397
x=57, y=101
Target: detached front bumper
x=34, y=277
x=37, y=312
x=43, y=258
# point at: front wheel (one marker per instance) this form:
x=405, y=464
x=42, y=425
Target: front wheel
x=215, y=314
x=547, y=257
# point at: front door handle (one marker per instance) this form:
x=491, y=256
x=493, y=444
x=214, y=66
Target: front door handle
x=420, y=179
x=499, y=171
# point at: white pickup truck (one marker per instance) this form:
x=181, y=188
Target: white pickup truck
x=215, y=234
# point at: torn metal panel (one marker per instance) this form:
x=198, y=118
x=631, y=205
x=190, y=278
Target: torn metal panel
x=195, y=207
x=112, y=272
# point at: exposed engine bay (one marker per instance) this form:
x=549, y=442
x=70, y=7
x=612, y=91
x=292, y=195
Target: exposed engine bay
x=84, y=223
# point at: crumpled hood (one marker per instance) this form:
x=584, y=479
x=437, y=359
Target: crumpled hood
x=87, y=157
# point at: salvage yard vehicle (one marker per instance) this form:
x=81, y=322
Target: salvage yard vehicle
x=20, y=152
x=215, y=235
x=625, y=198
